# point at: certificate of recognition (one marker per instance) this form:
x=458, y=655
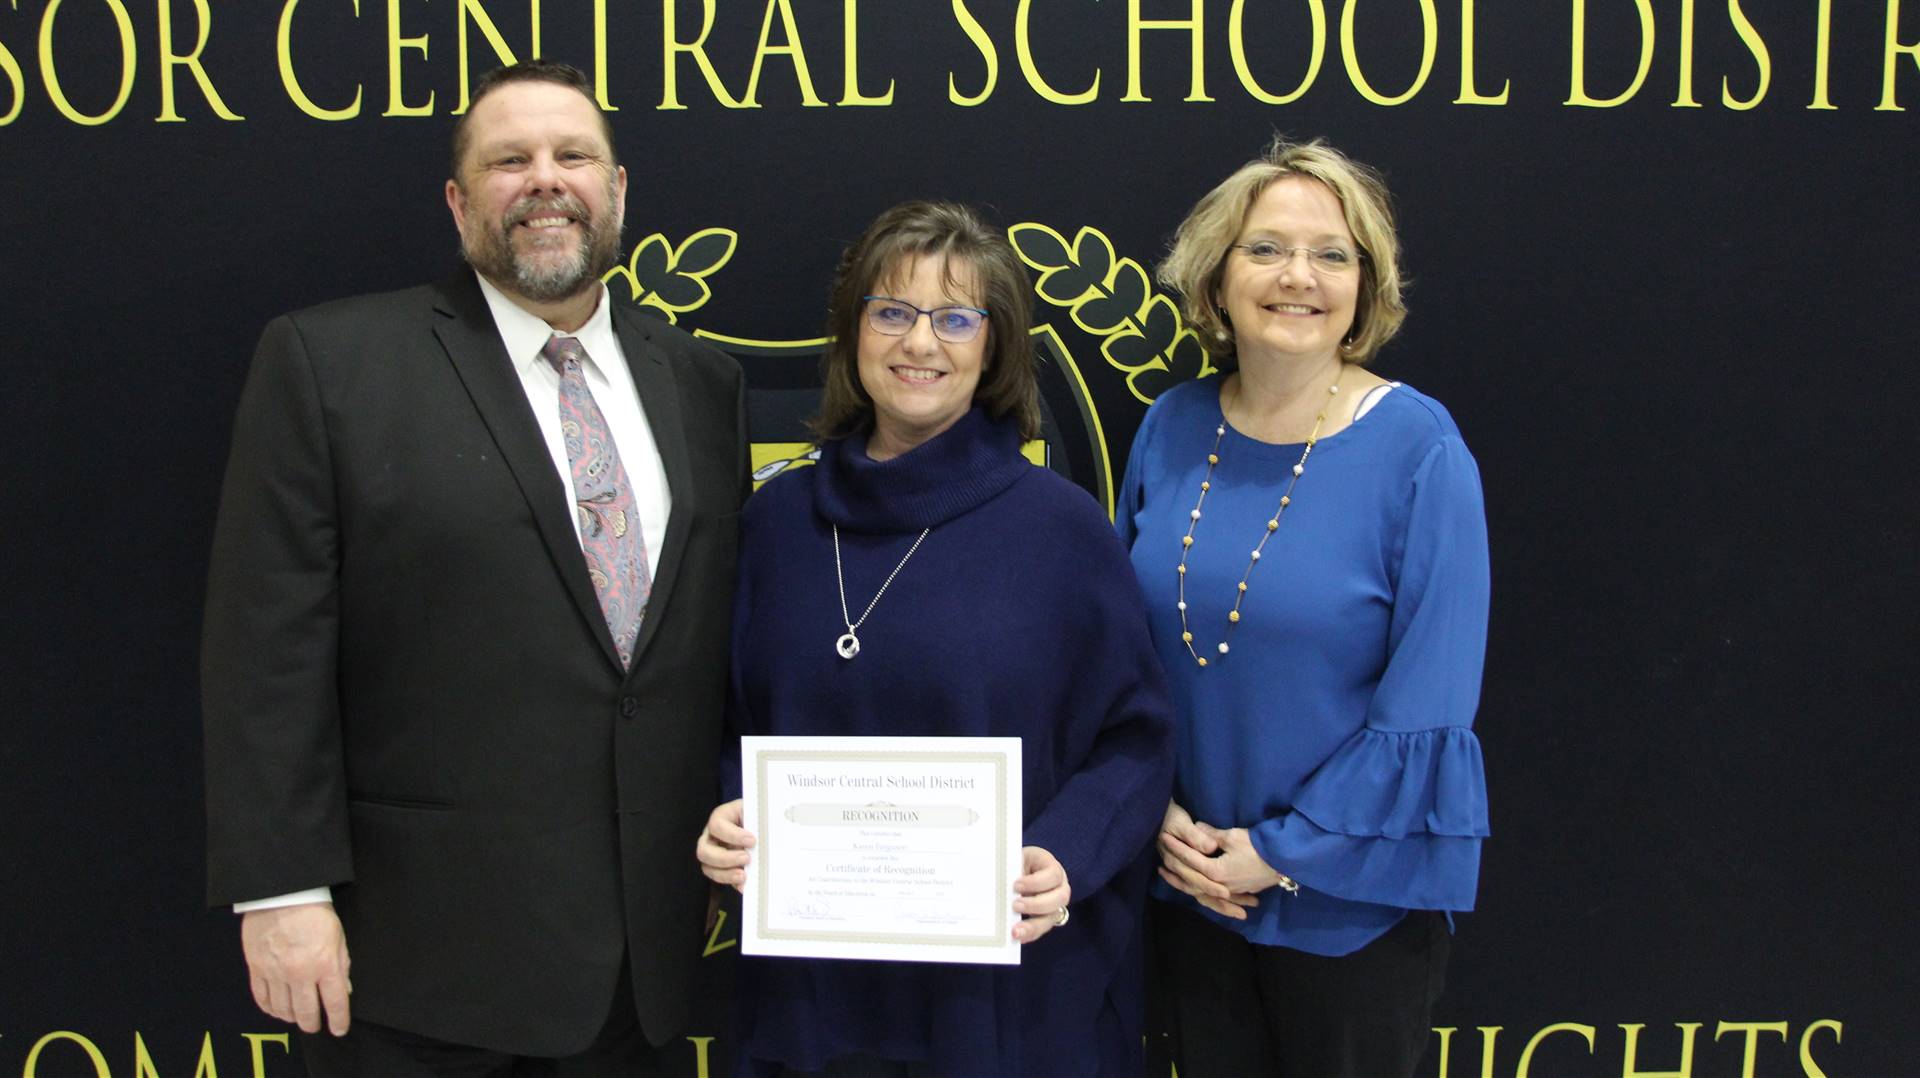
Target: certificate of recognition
x=894, y=848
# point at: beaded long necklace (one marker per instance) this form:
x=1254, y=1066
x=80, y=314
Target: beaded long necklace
x=1273, y=523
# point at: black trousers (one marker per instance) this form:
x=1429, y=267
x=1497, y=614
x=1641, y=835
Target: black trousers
x=1234, y=1009
x=373, y=1051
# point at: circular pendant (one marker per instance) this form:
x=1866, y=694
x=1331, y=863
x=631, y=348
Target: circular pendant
x=848, y=645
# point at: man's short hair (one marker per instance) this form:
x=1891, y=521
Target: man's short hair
x=529, y=71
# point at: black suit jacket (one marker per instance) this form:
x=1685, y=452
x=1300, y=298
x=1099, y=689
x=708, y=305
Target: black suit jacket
x=410, y=692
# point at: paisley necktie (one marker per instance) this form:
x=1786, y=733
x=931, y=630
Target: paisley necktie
x=603, y=498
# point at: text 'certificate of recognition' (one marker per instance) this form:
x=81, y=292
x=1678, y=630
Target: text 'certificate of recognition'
x=895, y=848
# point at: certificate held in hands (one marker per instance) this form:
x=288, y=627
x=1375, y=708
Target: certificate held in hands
x=895, y=848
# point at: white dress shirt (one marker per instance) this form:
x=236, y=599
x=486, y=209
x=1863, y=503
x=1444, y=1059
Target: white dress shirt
x=608, y=378
x=611, y=383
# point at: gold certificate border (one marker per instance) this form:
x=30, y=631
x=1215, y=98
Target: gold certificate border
x=1002, y=886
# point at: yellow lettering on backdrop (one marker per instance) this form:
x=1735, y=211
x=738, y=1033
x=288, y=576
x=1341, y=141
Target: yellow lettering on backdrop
x=1578, y=94
x=1237, y=46
x=31, y=1068
x=205, y=1068
x=701, y=1067
x=1822, y=53
x=256, y=1043
x=673, y=46
x=1429, y=44
x=1194, y=24
x=191, y=61
x=473, y=11
x=18, y=78
x=850, y=70
x=1630, y=1067
x=1488, y=1036
x=1894, y=49
x=1807, y=1066
x=978, y=35
x=1753, y=1031
x=284, y=49
x=1023, y=51
x=791, y=49
x=1762, y=60
x=143, y=1063
x=1533, y=1042
x=1469, y=95
x=1685, y=99
x=1445, y=1034
x=127, y=59
x=600, y=56
x=396, y=104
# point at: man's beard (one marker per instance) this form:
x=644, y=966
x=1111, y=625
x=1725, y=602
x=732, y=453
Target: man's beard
x=490, y=249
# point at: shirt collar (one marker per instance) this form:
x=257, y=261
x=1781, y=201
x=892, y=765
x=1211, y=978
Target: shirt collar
x=525, y=333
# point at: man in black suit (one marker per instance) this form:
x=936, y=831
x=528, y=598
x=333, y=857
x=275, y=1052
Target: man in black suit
x=466, y=635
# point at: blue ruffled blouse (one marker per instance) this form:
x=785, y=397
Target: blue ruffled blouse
x=1337, y=727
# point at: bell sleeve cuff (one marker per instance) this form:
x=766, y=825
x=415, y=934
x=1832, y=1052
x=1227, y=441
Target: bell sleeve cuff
x=1391, y=818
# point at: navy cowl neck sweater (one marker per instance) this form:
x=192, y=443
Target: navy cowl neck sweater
x=1018, y=616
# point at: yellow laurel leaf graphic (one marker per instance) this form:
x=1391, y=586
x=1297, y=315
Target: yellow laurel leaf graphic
x=673, y=279
x=1141, y=332
x=1121, y=303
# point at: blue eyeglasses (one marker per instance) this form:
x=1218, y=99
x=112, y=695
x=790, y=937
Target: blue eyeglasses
x=954, y=325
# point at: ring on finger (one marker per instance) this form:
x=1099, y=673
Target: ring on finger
x=1060, y=916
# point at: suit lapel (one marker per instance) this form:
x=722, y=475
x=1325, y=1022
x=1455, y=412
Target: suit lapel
x=467, y=332
x=660, y=397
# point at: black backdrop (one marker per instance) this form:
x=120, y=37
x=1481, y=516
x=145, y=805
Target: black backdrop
x=1676, y=328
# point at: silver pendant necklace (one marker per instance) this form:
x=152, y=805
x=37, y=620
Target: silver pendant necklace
x=849, y=643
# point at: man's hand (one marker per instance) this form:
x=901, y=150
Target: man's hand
x=297, y=956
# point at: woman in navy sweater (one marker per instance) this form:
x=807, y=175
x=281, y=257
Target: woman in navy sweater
x=1312, y=547
x=997, y=602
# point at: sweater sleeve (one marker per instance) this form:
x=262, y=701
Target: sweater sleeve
x=1107, y=809
x=1397, y=814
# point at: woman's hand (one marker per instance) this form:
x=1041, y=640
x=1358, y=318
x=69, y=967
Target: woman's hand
x=1238, y=865
x=1184, y=846
x=1203, y=861
x=724, y=842
x=1043, y=892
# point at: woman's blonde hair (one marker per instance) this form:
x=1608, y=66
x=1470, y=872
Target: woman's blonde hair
x=1196, y=263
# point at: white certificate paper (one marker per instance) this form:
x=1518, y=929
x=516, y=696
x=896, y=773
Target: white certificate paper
x=902, y=849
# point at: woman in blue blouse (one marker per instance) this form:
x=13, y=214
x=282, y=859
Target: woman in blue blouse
x=1312, y=546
